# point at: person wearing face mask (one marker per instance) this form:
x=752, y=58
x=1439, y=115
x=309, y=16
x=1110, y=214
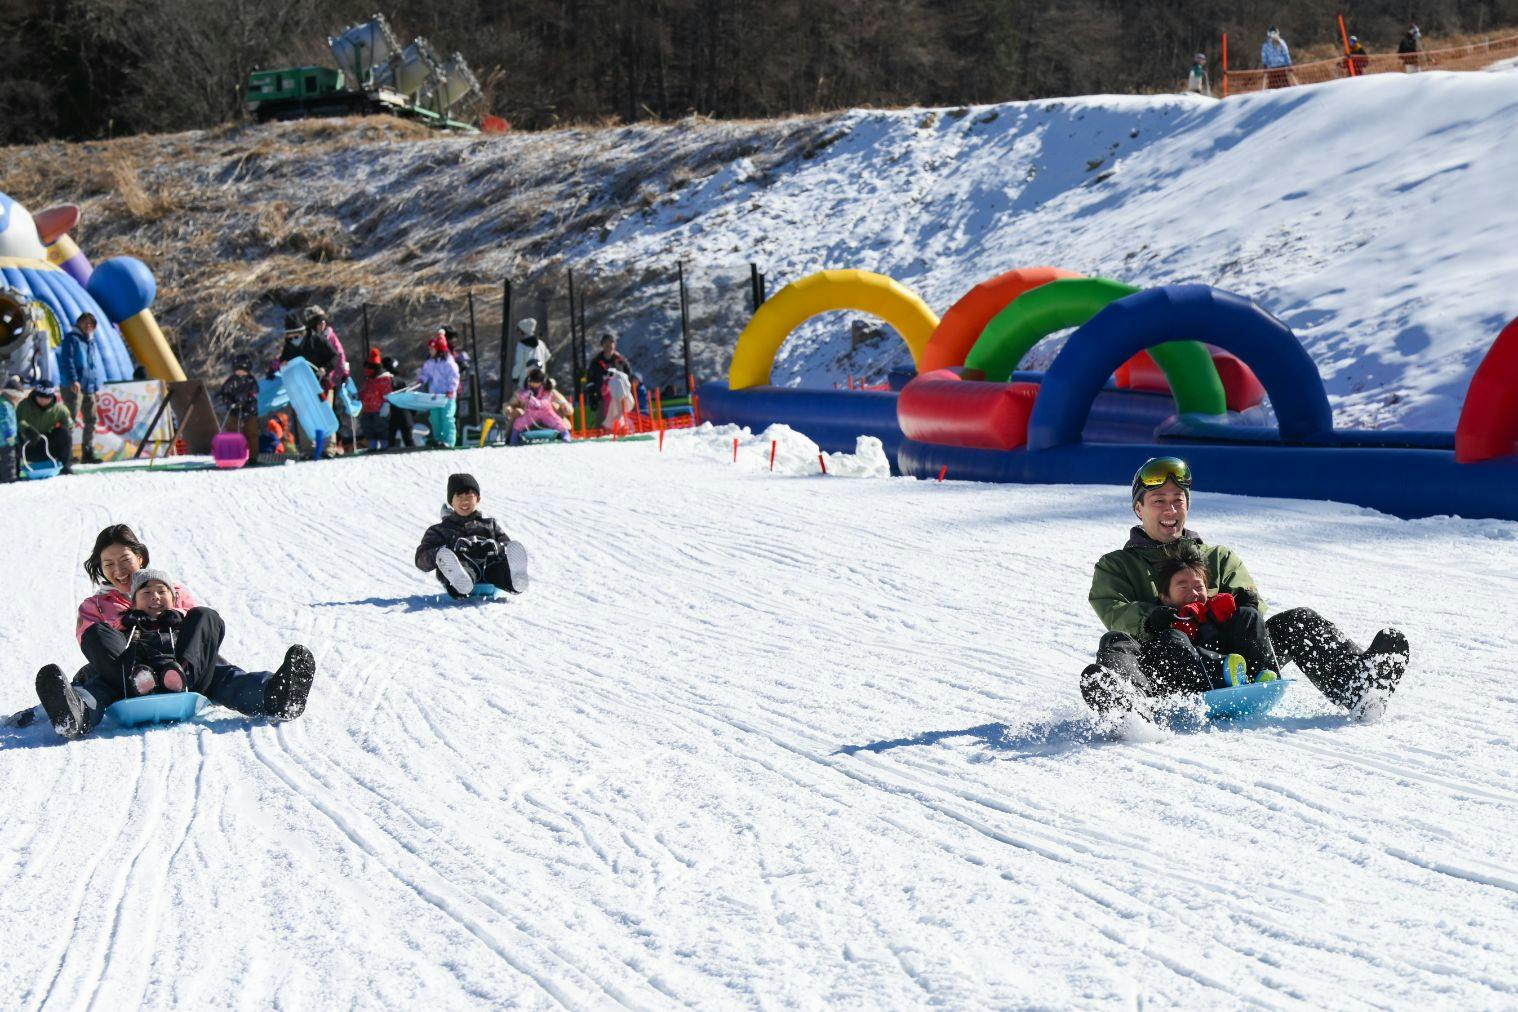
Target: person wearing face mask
x=1126, y=595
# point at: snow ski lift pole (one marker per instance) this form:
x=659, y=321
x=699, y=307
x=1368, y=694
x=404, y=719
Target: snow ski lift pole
x=364, y=307
x=1225, y=64
x=506, y=340
x=476, y=396
x=690, y=384
x=753, y=286
x=574, y=348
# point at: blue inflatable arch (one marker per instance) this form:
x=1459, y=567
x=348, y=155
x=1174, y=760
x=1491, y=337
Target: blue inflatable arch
x=1179, y=313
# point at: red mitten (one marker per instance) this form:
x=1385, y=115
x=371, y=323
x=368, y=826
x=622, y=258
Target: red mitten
x=1222, y=607
x=1189, y=618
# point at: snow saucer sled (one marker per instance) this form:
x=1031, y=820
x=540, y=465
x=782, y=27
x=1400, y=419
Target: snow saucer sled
x=162, y=708
x=1252, y=700
x=229, y=450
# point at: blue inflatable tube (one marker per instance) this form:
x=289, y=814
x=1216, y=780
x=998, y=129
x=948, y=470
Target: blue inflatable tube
x=1203, y=430
x=1407, y=483
x=833, y=419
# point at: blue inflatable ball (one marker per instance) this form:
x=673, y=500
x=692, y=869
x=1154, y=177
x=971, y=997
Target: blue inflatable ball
x=123, y=286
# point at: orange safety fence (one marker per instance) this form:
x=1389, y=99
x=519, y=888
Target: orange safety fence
x=1473, y=57
x=639, y=421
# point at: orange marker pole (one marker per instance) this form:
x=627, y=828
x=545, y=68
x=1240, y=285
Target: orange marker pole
x=774, y=445
x=735, y=449
x=1349, y=61
x=943, y=471
x=822, y=461
x=584, y=422
x=661, y=440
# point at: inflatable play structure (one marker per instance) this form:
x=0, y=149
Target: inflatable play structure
x=46, y=282
x=1179, y=369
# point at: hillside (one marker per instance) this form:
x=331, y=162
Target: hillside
x=1359, y=212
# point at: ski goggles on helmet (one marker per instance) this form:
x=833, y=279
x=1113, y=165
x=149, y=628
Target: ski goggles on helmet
x=1158, y=470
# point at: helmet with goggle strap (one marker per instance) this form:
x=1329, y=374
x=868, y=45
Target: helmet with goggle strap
x=1156, y=471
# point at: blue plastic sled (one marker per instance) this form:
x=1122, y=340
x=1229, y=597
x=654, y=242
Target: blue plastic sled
x=305, y=390
x=348, y=395
x=271, y=395
x=417, y=400
x=1252, y=700
x=163, y=708
x=486, y=590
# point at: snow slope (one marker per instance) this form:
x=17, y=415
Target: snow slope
x=751, y=739
x=1372, y=215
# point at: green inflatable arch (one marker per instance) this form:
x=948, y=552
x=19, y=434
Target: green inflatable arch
x=1070, y=302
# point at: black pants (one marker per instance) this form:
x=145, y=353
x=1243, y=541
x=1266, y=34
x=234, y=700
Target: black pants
x=197, y=648
x=401, y=422
x=1180, y=664
x=1329, y=659
x=491, y=569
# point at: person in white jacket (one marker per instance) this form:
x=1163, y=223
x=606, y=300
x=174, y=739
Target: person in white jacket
x=531, y=351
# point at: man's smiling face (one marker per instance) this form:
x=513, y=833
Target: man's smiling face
x=1162, y=511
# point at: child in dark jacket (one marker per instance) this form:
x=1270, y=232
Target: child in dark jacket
x=239, y=399
x=466, y=548
x=148, y=662
x=1198, y=640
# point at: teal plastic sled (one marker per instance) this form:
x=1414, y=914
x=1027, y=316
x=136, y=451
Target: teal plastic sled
x=417, y=400
x=486, y=590
x=163, y=708
x=271, y=395
x=1252, y=700
x=348, y=395
x=305, y=390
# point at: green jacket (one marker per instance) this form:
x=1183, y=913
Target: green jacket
x=1123, y=591
x=41, y=420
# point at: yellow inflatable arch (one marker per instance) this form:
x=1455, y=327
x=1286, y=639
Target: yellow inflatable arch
x=823, y=292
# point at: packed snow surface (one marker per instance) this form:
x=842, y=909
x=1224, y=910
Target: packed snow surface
x=752, y=738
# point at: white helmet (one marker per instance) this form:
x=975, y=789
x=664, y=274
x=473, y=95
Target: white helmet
x=528, y=326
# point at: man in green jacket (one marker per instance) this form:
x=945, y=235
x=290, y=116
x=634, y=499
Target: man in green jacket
x=1131, y=664
x=45, y=427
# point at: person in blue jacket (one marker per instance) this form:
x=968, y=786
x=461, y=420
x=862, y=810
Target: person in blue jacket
x=1275, y=57
x=80, y=377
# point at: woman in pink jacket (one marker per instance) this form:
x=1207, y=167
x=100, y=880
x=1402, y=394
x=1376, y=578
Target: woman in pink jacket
x=75, y=707
x=538, y=406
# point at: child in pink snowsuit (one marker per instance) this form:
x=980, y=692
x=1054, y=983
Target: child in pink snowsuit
x=537, y=407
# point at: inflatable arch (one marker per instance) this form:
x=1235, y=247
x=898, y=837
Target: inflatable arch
x=1071, y=302
x=1179, y=312
x=966, y=319
x=1488, y=426
x=793, y=305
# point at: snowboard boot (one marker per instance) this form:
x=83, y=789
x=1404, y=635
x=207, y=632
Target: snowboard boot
x=516, y=565
x=1265, y=676
x=455, y=574
x=1384, y=662
x=61, y=703
x=286, y=691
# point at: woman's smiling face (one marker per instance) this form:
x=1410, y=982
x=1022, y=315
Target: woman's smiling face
x=118, y=563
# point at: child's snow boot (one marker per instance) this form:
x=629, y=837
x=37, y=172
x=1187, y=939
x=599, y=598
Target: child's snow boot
x=140, y=680
x=172, y=677
x=285, y=693
x=1108, y=692
x=454, y=572
x=62, y=704
x=516, y=565
x=1233, y=672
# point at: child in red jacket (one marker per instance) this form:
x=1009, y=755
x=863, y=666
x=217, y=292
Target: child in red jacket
x=373, y=420
x=1198, y=640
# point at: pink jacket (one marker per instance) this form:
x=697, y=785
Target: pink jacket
x=108, y=605
x=339, y=371
x=537, y=410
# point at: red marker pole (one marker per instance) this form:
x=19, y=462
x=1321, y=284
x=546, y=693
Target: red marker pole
x=774, y=445
x=735, y=449
x=661, y=440
x=943, y=471
x=822, y=461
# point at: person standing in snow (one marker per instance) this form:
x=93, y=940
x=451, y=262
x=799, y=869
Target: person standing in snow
x=440, y=375
x=607, y=359
x=81, y=379
x=1357, y=57
x=1197, y=81
x=1125, y=595
x=466, y=547
x=1275, y=57
x=531, y=351
x=1408, y=46
x=239, y=399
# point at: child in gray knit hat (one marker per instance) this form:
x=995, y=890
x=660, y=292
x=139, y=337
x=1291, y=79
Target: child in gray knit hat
x=148, y=664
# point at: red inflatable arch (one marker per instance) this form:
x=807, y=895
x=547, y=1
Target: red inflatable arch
x=1489, y=420
x=961, y=326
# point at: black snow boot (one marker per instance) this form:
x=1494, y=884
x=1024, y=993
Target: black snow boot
x=1111, y=692
x=1384, y=663
x=286, y=691
x=63, y=705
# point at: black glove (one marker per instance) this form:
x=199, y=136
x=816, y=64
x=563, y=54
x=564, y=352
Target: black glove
x=1160, y=619
x=1247, y=597
x=134, y=618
